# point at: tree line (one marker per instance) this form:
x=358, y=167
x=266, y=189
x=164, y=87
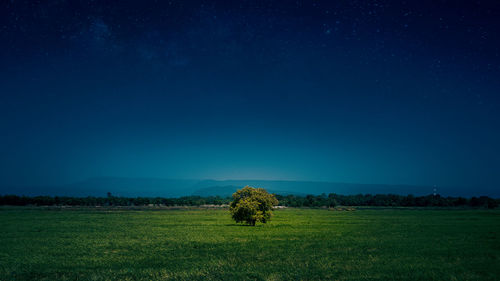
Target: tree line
x=323, y=200
x=111, y=201
x=386, y=200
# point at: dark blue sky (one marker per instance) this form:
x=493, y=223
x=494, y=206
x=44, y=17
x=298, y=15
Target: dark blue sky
x=345, y=91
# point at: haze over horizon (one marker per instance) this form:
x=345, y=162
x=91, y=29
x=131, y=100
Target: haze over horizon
x=160, y=187
x=370, y=92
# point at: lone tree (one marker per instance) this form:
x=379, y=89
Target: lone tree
x=251, y=205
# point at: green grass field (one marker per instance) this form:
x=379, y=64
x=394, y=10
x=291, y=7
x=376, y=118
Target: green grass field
x=298, y=244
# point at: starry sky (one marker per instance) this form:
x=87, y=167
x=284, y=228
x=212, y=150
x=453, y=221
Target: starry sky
x=393, y=92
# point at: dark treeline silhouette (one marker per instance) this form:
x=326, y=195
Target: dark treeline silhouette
x=323, y=200
x=111, y=201
x=386, y=200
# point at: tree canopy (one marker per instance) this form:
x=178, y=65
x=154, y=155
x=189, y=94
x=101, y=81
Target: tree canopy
x=251, y=205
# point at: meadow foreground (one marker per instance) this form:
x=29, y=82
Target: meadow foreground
x=298, y=244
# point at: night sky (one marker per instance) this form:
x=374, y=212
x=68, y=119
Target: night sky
x=393, y=92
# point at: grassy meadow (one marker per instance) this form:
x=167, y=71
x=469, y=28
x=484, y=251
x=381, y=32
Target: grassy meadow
x=298, y=244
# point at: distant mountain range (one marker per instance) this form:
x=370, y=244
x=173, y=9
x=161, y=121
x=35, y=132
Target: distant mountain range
x=227, y=187
x=156, y=187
